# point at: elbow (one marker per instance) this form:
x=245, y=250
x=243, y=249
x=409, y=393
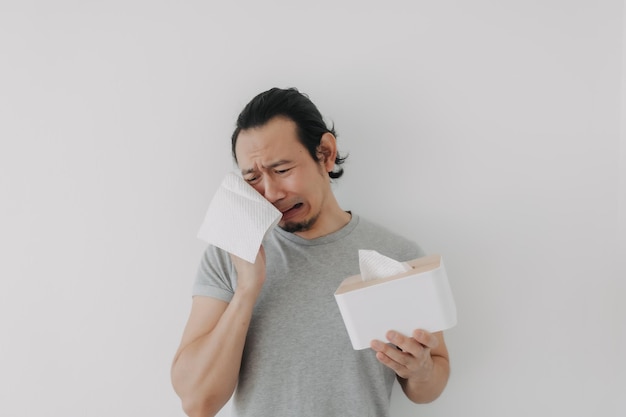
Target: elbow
x=197, y=404
x=199, y=398
x=194, y=408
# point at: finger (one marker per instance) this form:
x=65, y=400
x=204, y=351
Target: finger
x=406, y=344
x=398, y=368
x=387, y=349
x=403, y=350
x=426, y=339
x=389, y=356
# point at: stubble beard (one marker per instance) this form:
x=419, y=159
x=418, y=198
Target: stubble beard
x=302, y=226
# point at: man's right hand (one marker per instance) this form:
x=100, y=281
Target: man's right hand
x=250, y=277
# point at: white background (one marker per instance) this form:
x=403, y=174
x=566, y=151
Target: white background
x=488, y=131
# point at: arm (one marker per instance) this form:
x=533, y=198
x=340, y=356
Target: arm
x=206, y=366
x=421, y=363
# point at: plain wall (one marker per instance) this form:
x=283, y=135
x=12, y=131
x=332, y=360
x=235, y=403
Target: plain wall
x=487, y=131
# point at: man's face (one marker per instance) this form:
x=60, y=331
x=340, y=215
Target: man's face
x=280, y=168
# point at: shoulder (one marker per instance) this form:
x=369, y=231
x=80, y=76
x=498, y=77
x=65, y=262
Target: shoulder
x=215, y=258
x=367, y=226
x=216, y=276
x=386, y=241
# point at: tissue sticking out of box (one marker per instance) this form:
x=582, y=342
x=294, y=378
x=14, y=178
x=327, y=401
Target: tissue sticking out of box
x=373, y=265
x=417, y=299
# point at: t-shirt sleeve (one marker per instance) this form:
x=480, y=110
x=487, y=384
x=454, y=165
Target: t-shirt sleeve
x=216, y=276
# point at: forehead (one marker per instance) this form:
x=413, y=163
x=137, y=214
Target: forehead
x=275, y=140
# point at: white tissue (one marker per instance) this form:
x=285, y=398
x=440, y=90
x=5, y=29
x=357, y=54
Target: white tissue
x=238, y=218
x=373, y=265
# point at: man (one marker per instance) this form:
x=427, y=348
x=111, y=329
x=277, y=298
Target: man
x=272, y=329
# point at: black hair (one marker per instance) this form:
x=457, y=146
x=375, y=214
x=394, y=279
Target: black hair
x=296, y=106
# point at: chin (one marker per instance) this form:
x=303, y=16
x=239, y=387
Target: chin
x=299, y=226
x=293, y=227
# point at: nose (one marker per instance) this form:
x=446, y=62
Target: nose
x=272, y=190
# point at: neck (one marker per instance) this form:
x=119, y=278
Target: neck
x=333, y=219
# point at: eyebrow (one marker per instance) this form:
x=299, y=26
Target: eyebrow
x=270, y=166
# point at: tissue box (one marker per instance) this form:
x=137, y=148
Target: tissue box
x=418, y=299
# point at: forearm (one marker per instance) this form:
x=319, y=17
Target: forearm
x=205, y=372
x=427, y=390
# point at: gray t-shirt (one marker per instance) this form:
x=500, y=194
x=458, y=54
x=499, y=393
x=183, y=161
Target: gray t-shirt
x=298, y=360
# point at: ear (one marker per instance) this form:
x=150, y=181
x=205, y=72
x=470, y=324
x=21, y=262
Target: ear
x=327, y=151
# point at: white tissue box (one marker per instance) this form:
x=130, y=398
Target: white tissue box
x=418, y=299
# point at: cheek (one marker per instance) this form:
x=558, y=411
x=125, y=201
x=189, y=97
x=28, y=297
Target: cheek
x=307, y=184
x=258, y=188
x=293, y=185
x=313, y=189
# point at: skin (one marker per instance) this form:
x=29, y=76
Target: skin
x=279, y=167
x=274, y=162
x=421, y=363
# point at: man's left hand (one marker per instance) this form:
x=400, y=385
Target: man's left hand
x=409, y=357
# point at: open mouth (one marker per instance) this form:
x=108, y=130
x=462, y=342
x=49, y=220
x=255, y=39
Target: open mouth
x=292, y=210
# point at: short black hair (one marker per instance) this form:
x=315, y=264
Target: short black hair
x=296, y=106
